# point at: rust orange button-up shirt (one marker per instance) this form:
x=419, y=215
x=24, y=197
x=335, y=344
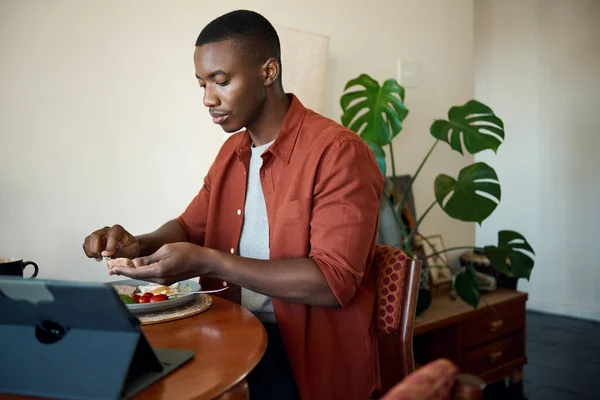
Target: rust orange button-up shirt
x=322, y=187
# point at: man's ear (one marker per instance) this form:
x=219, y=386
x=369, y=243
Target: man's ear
x=270, y=71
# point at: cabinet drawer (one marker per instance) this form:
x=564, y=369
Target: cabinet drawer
x=489, y=325
x=494, y=355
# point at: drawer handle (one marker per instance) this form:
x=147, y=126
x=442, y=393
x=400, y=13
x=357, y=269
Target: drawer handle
x=494, y=326
x=495, y=356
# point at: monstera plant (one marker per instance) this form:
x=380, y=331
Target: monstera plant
x=376, y=113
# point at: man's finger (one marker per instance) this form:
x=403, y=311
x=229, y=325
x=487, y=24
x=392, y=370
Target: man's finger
x=130, y=251
x=111, y=247
x=86, y=247
x=144, y=261
x=149, y=273
x=97, y=242
x=160, y=255
x=114, y=236
x=87, y=251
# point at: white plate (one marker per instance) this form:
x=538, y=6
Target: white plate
x=142, y=308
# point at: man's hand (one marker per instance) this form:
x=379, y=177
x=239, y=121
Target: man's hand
x=114, y=242
x=298, y=280
x=433, y=381
x=172, y=263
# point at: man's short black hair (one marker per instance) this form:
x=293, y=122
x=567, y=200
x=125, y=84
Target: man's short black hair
x=252, y=32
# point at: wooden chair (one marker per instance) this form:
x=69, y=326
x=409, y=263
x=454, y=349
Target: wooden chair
x=397, y=286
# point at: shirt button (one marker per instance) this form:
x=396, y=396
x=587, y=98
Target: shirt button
x=224, y=284
x=239, y=212
x=232, y=250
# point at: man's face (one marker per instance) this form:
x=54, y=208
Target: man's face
x=233, y=86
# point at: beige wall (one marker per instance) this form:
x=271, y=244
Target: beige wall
x=101, y=120
x=538, y=65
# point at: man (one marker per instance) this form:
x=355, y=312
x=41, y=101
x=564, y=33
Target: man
x=288, y=212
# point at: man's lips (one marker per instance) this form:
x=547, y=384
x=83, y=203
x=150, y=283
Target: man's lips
x=217, y=117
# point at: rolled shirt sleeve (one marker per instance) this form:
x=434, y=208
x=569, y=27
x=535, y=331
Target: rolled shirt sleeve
x=195, y=216
x=344, y=215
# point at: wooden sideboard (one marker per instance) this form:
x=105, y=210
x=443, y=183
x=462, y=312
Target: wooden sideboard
x=488, y=342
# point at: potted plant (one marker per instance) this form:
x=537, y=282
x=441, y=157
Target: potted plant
x=376, y=113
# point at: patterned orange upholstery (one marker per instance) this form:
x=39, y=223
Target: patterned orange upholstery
x=390, y=265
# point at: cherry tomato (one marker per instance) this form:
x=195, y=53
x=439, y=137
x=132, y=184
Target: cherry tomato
x=135, y=297
x=147, y=294
x=144, y=299
x=158, y=297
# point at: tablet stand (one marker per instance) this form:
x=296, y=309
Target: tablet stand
x=90, y=349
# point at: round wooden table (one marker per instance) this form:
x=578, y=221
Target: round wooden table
x=228, y=341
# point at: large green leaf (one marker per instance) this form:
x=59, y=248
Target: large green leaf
x=467, y=286
x=512, y=255
x=481, y=129
x=375, y=112
x=469, y=196
x=379, y=156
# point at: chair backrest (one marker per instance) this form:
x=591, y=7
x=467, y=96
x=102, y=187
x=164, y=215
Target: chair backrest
x=397, y=286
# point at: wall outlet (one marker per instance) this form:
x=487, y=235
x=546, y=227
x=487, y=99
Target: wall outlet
x=407, y=72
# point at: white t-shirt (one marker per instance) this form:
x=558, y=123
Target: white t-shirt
x=254, y=239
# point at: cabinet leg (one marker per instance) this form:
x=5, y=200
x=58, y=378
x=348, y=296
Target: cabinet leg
x=516, y=376
x=516, y=383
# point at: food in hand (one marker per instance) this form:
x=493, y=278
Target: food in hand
x=119, y=262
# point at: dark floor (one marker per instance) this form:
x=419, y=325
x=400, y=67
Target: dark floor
x=563, y=360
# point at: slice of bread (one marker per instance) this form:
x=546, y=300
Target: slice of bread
x=121, y=262
x=125, y=289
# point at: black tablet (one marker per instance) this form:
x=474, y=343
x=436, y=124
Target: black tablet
x=75, y=340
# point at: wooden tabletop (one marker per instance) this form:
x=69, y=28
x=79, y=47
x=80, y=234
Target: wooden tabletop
x=445, y=311
x=228, y=341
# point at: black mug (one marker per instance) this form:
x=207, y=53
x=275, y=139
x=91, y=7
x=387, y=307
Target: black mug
x=15, y=267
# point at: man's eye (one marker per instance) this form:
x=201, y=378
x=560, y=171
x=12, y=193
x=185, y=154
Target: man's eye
x=224, y=83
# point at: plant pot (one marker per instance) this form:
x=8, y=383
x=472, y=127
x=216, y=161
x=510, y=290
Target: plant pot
x=481, y=264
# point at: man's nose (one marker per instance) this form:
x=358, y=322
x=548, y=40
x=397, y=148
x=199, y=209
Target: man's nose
x=210, y=97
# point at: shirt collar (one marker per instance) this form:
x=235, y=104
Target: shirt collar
x=287, y=135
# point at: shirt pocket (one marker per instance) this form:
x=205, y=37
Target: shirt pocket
x=295, y=209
